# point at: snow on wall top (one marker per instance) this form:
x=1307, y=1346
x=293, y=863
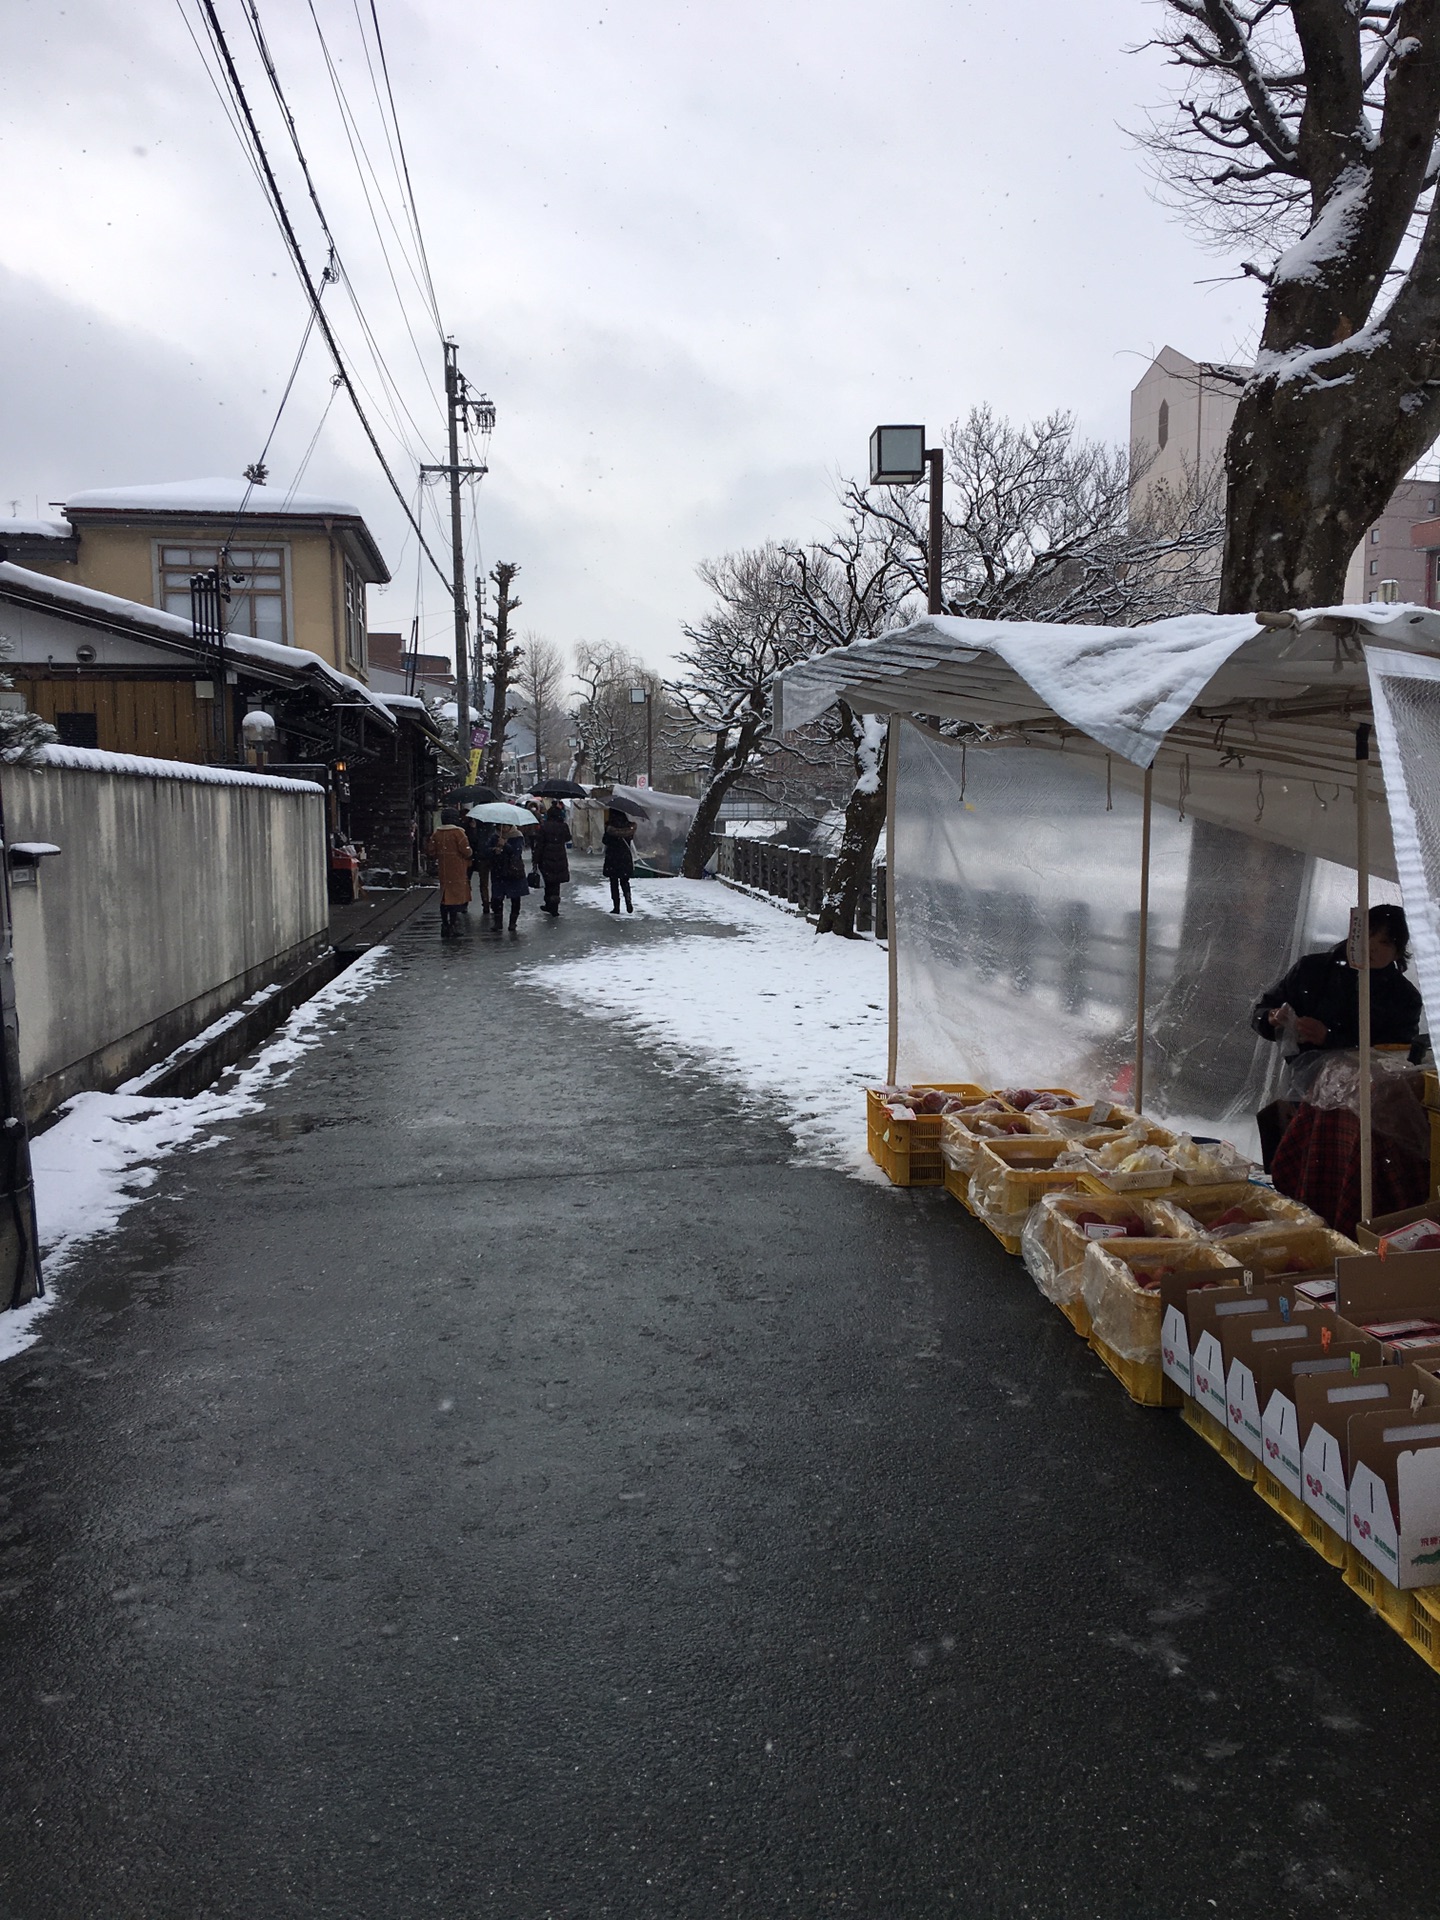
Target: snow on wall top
x=134, y=612
x=219, y=495
x=141, y=767
x=36, y=530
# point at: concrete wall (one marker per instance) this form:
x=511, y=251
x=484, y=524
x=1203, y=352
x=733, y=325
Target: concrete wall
x=178, y=891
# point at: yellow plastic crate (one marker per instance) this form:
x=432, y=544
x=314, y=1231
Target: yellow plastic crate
x=1281, y=1498
x=957, y=1185
x=909, y=1150
x=1123, y=1314
x=1078, y=1314
x=1218, y=1437
x=1007, y=1183
x=1273, y=1251
x=1143, y=1380
x=1201, y=1207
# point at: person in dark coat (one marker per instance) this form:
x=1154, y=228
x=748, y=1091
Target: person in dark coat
x=1313, y=1152
x=1322, y=993
x=551, y=862
x=482, y=852
x=619, y=857
x=507, y=875
x=449, y=848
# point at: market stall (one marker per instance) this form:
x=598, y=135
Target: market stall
x=1104, y=843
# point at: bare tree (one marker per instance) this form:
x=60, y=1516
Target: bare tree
x=539, y=678
x=609, y=725
x=1307, y=131
x=724, y=720
x=1042, y=525
x=504, y=659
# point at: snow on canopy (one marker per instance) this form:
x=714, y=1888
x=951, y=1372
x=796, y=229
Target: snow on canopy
x=219, y=495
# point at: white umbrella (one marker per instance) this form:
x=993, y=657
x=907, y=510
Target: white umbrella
x=500, y=813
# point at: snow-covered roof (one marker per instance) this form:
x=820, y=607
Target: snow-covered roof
x=222, y=497
x=218, y=495
x=35, y=530
x=25, y=584
x=142, y=767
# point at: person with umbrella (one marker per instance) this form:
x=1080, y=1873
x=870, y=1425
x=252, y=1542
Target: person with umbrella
x=449, y=847
x=619, y=857
x=551, y=862
x=507, y=874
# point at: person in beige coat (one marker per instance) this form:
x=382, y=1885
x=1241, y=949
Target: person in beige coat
x=449, y=847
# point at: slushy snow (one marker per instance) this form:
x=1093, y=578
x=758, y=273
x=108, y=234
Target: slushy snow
x=105, y=1152
x=760, y=1001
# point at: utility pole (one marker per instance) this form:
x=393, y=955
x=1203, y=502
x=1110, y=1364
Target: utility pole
x=459, y=407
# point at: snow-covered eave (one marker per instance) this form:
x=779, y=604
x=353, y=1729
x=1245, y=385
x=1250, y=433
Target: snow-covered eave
x=141, y=767
x=280, y=664
x=218, y=502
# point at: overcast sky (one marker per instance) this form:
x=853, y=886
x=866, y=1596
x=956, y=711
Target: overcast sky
x=694, y=253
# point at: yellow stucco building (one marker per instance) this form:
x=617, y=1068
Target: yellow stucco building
x=297, y=565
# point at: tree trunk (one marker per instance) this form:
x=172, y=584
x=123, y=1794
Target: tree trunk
x=700, y=841
x=864, y=817
x=1305, y=479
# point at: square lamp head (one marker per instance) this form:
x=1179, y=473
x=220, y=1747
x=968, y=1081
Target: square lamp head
x=897, y=456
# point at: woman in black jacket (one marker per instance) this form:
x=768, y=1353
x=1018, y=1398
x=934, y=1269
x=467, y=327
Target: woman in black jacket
x=551, y=862
x=1322, y=993
x=507, y=876
x=619, y=858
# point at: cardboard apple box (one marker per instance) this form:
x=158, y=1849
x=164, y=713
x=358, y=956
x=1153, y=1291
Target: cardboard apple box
x=1394, y=1286
x=1249, y=1343
x=1175, y=1290
x=1325, y=1405
x=1369, y=1233
x=1395, y=1493
x=1204, y=1311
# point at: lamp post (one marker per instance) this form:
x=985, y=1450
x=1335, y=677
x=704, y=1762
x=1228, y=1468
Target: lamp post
x=898, y=458
x=637, y=694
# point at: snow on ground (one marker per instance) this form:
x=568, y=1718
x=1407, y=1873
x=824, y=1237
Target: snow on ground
x=104, y=1153
x=759, y=1000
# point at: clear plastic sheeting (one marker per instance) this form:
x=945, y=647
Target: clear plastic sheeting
x=1405, y=691
x=1331, y=1082
x=1053, y=1241
x=661, y=833
x=1017, y=881
x=1126, y=1316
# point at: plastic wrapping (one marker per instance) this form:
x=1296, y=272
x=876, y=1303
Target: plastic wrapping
x=1405, y=690
x=1016, y=933
x=1125, y=1316
x=1196, y=1209
x=1053, y=1247
x=1396, y=1109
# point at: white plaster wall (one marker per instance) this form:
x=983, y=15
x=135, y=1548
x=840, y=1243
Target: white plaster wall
x=165, y=889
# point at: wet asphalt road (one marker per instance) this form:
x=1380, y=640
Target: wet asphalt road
x=494, y=1482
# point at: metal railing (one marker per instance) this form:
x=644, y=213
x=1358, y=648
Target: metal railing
x=800, y=876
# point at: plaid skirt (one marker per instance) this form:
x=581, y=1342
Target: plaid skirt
x=1318, y=1162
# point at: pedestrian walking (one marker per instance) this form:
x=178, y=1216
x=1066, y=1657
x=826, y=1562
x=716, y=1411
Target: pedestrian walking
x=449, y=847
x=482, y=852
x=507, y=876
x=619, y=858
x=551, y=862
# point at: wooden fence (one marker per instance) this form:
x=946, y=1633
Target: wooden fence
x=801, y=877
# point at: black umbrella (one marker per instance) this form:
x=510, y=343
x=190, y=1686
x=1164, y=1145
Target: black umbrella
x=477, y=796
x=558, y=790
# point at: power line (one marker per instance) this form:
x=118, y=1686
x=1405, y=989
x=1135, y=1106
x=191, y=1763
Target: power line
x=272, y=187
x=257, y=34
x=404, y=161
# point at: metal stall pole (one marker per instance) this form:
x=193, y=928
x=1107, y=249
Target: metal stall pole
x=1142, y=956
x=892, y=769
x=1361, y=955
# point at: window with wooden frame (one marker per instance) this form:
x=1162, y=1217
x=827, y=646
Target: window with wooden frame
x=355, y=648
x=255, y=579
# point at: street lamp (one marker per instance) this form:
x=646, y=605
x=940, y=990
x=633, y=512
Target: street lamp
x=898, y=458
x=637, y=694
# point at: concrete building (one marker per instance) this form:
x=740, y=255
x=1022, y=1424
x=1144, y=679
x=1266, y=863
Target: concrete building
x=298, y=565
x=393, y=667
x=1180, y=416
